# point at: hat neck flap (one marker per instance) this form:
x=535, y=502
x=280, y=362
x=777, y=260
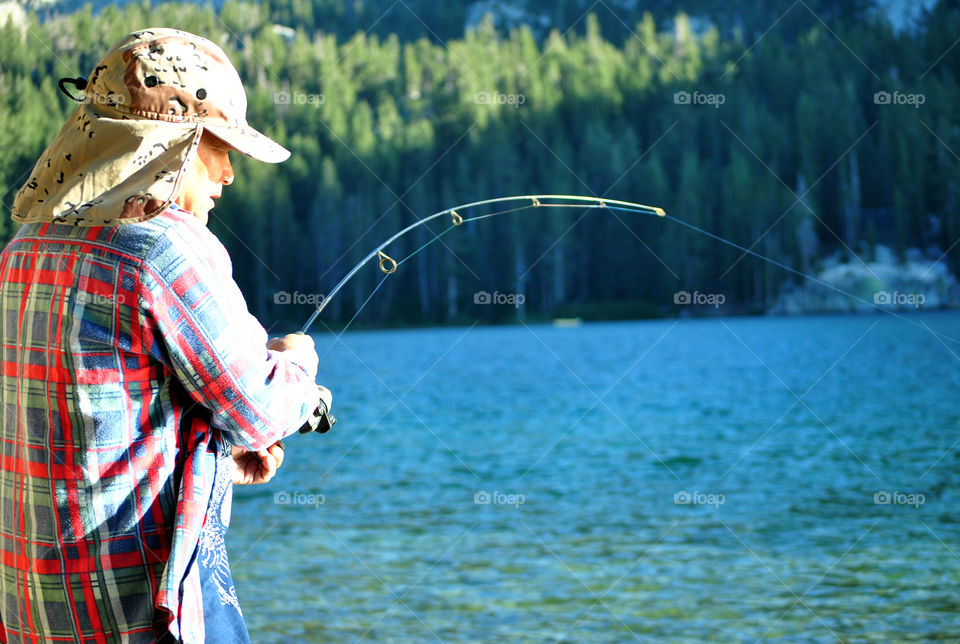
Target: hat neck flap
x=104, y=171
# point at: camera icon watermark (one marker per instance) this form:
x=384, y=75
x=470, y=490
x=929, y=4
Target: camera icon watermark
x=884, y=497
x=698, y=498
x=482, y=497
x=699, y=98
x=299, y=498
x=498, y=98
x=899, y=98
x=886, y=298
x=286, y=297
x=697, y=298
x=283, y=97
x=514, y=299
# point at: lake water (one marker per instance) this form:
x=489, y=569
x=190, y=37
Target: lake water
x=788, y=479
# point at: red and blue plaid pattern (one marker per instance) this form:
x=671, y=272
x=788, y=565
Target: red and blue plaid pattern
x=130, y=364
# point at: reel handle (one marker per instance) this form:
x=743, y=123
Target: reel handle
x=320, y=421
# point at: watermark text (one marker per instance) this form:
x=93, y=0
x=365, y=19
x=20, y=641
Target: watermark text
x=498, y=98
x=698, y=498
x=285, y=297
x=886, y=298
x=284, y=97
x=482, y=497
x=699, y=98
x=715, y=300
x=513, y=299
x=884, y=497
x=899, y=98
x=297, y=497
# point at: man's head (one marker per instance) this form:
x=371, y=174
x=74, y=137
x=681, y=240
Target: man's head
x=134, y=145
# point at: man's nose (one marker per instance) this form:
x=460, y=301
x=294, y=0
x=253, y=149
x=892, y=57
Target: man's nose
x=227, y=177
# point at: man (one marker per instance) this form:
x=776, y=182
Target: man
x=136, y=389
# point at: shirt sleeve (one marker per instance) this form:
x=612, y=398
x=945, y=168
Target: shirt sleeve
x=215, y=347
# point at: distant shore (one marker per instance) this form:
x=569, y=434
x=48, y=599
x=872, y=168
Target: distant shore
x=921, y=282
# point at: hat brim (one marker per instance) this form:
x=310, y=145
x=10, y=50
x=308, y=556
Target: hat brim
x=250, y=142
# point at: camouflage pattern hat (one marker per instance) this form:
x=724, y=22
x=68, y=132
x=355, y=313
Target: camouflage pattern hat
x=121, y=156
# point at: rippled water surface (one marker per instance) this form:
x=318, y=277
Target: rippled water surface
x=697, y=480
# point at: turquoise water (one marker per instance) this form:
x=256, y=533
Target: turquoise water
x=585, y=443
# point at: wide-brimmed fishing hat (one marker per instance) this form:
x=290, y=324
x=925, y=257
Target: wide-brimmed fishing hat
x=121, y=156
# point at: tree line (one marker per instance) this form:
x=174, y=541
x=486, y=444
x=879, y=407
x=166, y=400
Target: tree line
x=822, y=136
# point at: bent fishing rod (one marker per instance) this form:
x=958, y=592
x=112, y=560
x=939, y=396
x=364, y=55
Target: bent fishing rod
x=321, y=421
x=388, y=265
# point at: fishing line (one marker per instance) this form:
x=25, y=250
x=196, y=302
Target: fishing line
x=805, y=276
x=388, y=265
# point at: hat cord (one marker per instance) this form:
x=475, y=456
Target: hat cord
x=79, y=82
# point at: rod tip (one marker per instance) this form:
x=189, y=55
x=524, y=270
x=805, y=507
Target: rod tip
x=660, y=212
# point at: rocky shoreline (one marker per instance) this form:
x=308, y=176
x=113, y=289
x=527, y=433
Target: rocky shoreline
x=921, y=282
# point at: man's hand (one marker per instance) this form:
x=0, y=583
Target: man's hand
x=306, y=355
x=256, y=467
x=302, y=348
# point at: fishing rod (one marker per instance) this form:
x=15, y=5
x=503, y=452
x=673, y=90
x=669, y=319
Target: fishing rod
x=321, y=421
x=388, y=265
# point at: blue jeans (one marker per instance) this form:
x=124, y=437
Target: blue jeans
x=222, y=618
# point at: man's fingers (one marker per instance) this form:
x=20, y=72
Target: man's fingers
x=269, y=464
x=277, y=452
x=250, y=469
x=297, y=342
x=257, y=466
x=302, y=346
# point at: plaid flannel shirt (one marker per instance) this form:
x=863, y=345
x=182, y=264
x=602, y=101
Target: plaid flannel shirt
x=130, y=365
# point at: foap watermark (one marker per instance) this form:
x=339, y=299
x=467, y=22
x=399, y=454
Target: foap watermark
x=101, y=298
x=915, y=499
x=886, y=298
x=514, y=299
x=297, y=497
x=482, y=497
x=697, y=298
x=899, y=98
x=498, y=98
x=698, y=498
x=699, y=98
x=284, y=97
x=109, y=99
x=286, y=297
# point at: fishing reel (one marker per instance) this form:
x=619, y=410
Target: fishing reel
x=320, y=421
